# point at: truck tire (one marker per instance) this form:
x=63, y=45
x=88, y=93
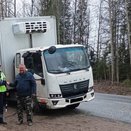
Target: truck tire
x=73, y=106
x=36, y=108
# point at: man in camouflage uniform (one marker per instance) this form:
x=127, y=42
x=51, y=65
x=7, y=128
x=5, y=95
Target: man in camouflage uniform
x=25, y=87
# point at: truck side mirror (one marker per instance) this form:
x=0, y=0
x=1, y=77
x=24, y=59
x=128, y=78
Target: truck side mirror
x=43, y=81
x=91, y=58
x=91, y=55
x=52, y=50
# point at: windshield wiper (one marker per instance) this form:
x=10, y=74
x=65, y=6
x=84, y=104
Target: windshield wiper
x=86, y=68
x=55, y=71
x=82, y=68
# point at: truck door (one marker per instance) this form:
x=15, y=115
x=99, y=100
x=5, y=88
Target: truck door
x=34, y=64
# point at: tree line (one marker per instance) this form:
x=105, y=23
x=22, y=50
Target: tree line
x=114, y=41
x=110, y=52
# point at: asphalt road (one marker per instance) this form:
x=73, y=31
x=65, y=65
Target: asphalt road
x=114, y=107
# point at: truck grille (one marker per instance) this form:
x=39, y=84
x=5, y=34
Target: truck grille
x=70, y=90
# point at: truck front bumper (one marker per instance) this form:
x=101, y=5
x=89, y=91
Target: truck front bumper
x=64, y=102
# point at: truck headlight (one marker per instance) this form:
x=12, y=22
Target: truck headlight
x=90, y=89
x=55, y=95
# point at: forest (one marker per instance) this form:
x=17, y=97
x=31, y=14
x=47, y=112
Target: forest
x=103, y=26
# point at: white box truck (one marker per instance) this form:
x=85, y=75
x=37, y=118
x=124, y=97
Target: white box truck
x=63, y=73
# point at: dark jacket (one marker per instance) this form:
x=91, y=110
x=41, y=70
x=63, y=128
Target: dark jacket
x=25, y=84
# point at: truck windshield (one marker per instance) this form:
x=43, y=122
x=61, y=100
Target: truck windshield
x=66, y=60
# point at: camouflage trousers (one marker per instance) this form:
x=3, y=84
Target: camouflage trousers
x=1, y=106
x=24, y=103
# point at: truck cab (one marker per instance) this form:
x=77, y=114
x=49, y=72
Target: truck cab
x=63, y=74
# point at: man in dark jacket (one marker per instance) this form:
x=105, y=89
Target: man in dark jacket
x=25, y=86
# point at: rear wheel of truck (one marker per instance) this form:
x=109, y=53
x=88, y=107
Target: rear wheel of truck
x=38, y=107
x=73, y=106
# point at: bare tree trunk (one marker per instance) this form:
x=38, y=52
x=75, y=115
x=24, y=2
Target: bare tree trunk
x=117, y=59
x=58, y=21
x=14, y=8
x=81, y=22
x=32, y=7
x=111, y=40
x=88, y=32
x=23, y=8
x=2, y=9
x=5, y=8
x=117, y=42
x=74, y=29
x=98, y=40
x=117, y=62
x=64, y=23
x=128, y=14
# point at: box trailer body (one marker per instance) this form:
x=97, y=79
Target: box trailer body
x=62, y=72
x=11, y=41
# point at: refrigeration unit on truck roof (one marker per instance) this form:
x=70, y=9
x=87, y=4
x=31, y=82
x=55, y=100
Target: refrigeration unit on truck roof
x=29, y=27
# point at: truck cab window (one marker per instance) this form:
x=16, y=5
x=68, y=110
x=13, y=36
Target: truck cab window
x=66, y=60
x=18, y=59
x=33, y=63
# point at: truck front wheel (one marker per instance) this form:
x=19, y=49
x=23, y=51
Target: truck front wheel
x=36, y=107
